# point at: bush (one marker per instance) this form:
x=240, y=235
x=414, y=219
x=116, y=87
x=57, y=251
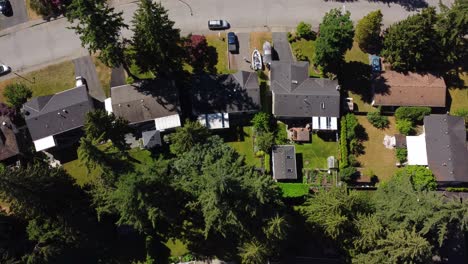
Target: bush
x=463, y=113
x=291, y=37
x=281, y=134
x=343, y=144
x=405, y=127
x=456, y=189
x=304, y=30
x=17, y=94
x=352, y=125
x=347, y=174
x=293, y=190
x=377, y=120
x=264, y=141
x=414, y=114
x=197, y=51
x=49, y=8
x=261, y=122
x=299, y=55
x=353, y=161
x=401, y=154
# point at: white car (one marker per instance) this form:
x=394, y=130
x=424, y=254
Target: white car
x=218, y=24
x=4, y=69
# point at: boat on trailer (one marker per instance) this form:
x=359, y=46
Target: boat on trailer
x=257, y=60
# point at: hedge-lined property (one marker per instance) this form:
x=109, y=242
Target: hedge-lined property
x=293, y=190
x=343, y=144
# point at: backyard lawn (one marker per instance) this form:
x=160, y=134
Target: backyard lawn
x=459, y=94
x=48, y=80
x=307, y=48
x=219, y=43
x=243, y=144
x=356, y=54
x=377, y=158
x=315, y=154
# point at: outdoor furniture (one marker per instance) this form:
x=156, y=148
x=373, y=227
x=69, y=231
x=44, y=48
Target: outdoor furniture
x=299, y=134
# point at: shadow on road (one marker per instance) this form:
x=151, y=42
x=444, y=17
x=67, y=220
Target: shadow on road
x=409, y=5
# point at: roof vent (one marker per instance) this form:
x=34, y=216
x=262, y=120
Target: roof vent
x=338, y=87
x=142, y=100
x=444, y=164
x=290, y=170
x=294, y=81
x=3, y=123
x=65, y=111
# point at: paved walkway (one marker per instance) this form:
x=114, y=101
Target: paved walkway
x=282, y=49
x=85, y=67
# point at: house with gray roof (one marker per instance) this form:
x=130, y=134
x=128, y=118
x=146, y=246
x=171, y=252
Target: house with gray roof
x=296, y=95
x=284, y=162
x=216, y=97
x=53, y=119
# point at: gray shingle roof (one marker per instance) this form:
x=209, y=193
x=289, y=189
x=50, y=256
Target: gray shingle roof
x=145, y=101
x=227, y=93
x=151, y=139
x=297, y=95
x=54, y=114
x=284, y=162
x=446, y=147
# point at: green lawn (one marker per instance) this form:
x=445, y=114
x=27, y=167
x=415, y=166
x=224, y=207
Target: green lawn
x=142, y=158
x=244, y=146
x=178, y=249
x=459, y=94
x=315, y=154
x=356, y=54
x=308, y=49
x=104, y=75
x=219, y=43
x=45, y=81
x=293, y=190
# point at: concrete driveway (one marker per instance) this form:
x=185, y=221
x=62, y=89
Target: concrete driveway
x=281, y=48
x=85, y=67
x=20, y=15
x=236, y=61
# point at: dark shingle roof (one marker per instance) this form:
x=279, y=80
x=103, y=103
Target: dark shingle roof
x=151, y=138
x=284, y=162
x=297, y=95
x=8, y=143
x=145, y=101
x=54, y=114
x=447, y=152
x=227, y=93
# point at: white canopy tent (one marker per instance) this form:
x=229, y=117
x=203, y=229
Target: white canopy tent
x=44, y=143
x=417, y=154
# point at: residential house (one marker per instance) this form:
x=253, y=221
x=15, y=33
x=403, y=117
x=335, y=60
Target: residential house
x=443, y=148
x=148, y=106
x=9, y=147
x=284, y=162
x=215, y=98
x=296, y=95
x=411, y=89
x=56, y=120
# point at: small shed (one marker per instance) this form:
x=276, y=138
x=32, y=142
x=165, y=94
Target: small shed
x=151, y=139
x=332, y=162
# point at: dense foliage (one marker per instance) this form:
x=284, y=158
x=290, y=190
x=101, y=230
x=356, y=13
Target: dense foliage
x=377, y=119
x=368, y=31
x=293, y=190
x=335, y=37
x=188, y=136
x=414, y=114
x=405, y=127
x=343, y=144
x=48, y=8
x=401, y=154
x=17, y=94
x=262, y=122
x=304, y=30
x=197, y=51
x=421, y=177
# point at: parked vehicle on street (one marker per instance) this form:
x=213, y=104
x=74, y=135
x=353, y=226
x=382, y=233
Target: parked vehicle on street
x=5, y=7
x=375, y=63
x=218, y=24
x=4, y=69
x=232, y=42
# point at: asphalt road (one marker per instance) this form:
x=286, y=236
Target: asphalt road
x=19, y=16
x=52, y=41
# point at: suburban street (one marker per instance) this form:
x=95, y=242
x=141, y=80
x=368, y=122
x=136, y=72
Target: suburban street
x=23, y=48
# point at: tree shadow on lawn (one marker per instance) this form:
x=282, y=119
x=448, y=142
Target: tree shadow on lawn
x=356, y=77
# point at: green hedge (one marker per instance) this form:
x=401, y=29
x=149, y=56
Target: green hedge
x=414, y=114
x=456, y=189
x=267, y=163
x=343, y=144
x=293, y=190
x=401, y=154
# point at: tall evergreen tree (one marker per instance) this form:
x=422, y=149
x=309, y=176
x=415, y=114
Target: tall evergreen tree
x=156, y=43
x=101, y=126
x=188, y=136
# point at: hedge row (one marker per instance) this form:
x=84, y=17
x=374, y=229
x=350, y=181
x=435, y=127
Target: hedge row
x=456, y=189
x=344, y=144
x=414, y=114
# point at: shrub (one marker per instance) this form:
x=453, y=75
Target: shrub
x=421, y=177
x=291, y=37
x=353, y=161
x=343, y=144
x=351, y=126
x=266, y=160
x=304, y=30
x=401, y=154
x=265, y=141
x=261, y=122
x=456, y=189
x=347, y=174
x=405, y=127
x=377, y=120
x=17, y=94
x=293, y=190
x=197, y=51
x=281, y=134
x=463, y=113
x=414, y=114
x=299, y=55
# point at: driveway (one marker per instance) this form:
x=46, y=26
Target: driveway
x=20, y=15
x=85, y=67
x=236, y=61
x=281, y=48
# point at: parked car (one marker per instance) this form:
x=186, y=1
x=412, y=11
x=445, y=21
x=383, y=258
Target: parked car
x=218, y=24
x=5, y=7
x=232, y=42
x=375, y=63
x=4, y=69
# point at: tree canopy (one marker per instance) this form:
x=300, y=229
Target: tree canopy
x=17, y=94
x=186, y=137
x=368, y=32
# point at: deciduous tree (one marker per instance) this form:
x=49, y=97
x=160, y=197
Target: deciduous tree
x=197, y=49
x=368, y=32
x=17, y=94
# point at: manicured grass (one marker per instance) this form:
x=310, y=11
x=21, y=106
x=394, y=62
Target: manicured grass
x=378, y=158
x=308, y=49
x=178, y=249
x=315, y=154
x=104, y=75
x=78, y=171
x=219, y=43
x=459, y=94
x=48, y=80
x=293, y=190
x=245, y=147
x=356, y=54
x=31, y=13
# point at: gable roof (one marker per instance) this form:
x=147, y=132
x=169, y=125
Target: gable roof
x=284, y=162
x=297, y=95
x=412, y=89
x=151, y=139
x=8, y=142
x=54, y=114
x=141, y=102
x=447, y=152
x=226, y=93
